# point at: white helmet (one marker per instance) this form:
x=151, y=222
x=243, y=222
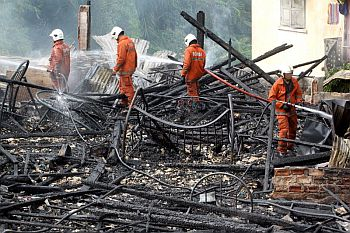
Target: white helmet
x=286, y=69
x=189, y=38
x=115, y=32
x=57, y=34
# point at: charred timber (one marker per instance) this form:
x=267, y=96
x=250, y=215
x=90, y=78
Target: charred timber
x=175, y=218
x=224, y=45
x=54, y=134
x=40, y=200
x=309, y=70
x=241, y=84
x=260, y=219
x=219, y=167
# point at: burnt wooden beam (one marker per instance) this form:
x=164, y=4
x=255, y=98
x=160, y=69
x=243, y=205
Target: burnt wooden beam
x=219, y=167
x=170, y=217
x=51, y=179
x=85, y=218
x=289, y=140
x=302, y=160
x=36, y=224
x=61, y=195
x=33, y=189
x=272, y=52
x=308, y=71
x=10, y=157
x=252, y=217
x=95, y=174
x=200, y=34
x=307, y=63
x=54, y=134
x=241, y=84
x=249, y=63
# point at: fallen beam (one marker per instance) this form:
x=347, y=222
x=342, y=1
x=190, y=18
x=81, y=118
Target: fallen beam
x=226, y=46
x=54, y=134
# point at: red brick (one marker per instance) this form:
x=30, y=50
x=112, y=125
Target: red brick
x=303, y=179
x=282, y=180
x=295, y=189
x=316, y=172
x=312, y=188
x=299, y=171
x=282, y=172
x=281, y=188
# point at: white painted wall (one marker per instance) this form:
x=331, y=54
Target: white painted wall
x=308, y=44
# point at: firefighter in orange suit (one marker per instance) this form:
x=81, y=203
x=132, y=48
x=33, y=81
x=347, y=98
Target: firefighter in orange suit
x=59, y=60
x=193, y=66
x=286, y=89
x=126, y=63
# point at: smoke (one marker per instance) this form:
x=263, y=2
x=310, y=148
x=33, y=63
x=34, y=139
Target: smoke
x=219, y=24
x=228, y=23
x=26, y=24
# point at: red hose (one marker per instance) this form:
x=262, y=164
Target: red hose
x=234, y=87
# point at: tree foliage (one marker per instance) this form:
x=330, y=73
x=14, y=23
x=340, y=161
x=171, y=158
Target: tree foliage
x=26, y=24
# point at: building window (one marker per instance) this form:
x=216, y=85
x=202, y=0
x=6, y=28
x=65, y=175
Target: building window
x=293, y=13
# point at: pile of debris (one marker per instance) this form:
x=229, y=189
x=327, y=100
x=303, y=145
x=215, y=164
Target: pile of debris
x=80, y=163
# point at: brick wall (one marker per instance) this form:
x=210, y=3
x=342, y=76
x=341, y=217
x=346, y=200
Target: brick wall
x=302, y=183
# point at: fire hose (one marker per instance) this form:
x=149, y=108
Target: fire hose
x=320, y=113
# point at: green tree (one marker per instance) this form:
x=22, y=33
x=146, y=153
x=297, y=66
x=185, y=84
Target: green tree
x=26, y=24
x=14, y=36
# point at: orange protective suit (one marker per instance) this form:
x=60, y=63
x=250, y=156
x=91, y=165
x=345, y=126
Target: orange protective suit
x=193, y=69
x=59, y=62
x=126, y=65
x=287, y=119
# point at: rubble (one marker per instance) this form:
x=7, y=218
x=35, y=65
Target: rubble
x=78, y=162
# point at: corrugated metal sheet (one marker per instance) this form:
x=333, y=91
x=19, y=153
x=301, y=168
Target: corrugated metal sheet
x=340, y=156
x=100, y=80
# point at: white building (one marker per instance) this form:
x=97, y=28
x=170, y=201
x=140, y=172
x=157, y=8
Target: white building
x=314, y=27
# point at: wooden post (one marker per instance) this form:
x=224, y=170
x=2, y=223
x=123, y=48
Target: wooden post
x=200, y=33
x=84, y=27
x=229, y=54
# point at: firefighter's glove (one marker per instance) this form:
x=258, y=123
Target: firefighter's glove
x=286, y=107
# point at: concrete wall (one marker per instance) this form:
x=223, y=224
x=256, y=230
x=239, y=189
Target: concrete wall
x=308, y=44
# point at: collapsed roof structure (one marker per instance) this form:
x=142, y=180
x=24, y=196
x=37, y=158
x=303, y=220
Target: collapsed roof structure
x=78, y=162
